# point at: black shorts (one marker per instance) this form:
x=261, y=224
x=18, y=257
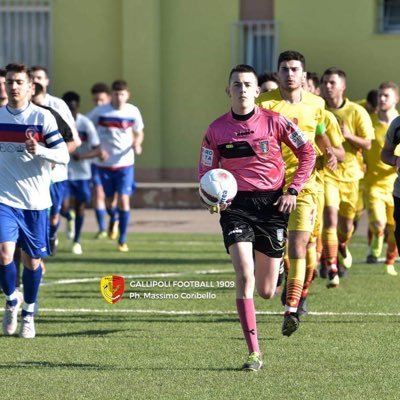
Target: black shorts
x=252, y=217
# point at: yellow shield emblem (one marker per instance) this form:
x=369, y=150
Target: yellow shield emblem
x=112, y=288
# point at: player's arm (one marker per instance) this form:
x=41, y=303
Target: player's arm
x=66, y=132
x=209, y=159
x=94, y=152
x=93, y=142
x=324, y=144
x=138, y=132
x=356, y=141
x=335, y=135
x=388, y=156
x=55, y=150
x=364, y=131
x=293, y=137
x=138, y=137
x=69, y=119
x=392, y=140
x=209, y=154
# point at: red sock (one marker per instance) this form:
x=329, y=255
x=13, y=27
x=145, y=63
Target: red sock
x=247, y=316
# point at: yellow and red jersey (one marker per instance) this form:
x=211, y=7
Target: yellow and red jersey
x=358, y=121
x=378, y=173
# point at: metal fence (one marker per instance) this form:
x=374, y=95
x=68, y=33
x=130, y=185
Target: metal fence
x=388, y=16
x=255, y=43
x=25, y=28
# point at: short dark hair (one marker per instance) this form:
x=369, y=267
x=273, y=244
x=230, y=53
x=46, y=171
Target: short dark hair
x=335, y=71
x=71, y=96
x=119, y=84
x=387, y=85
x=267, y=77
x=35, y=68
x=313, y=76
x=242, y=68
x=20, y=68
x=3, y=72
x=290, y=55
x=39, y=89
x=372, y=95
x=100, y=87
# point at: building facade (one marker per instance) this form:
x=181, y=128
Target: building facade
x=176, y=55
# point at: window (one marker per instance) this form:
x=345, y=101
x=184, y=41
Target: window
x=254, y=43
x=389, y=16
x=25, y=32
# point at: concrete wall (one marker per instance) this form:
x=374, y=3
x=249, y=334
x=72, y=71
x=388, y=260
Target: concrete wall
x=175, y=55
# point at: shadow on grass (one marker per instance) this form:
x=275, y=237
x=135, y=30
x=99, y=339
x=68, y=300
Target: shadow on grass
x=47, y=364
x=143, y=261
x=97, y=367
x=93, y=332
x=125, y=318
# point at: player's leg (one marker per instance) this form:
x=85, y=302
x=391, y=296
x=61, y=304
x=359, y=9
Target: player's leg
x=297, y=270
x=311, y=254
x=67, y=212
x=17, y=261
x=124, y=189
x=266, y=274
x=81, y=193
x=392, y=251
x=361, y=203
x=330, y=241
x=35, y=244
x=99, y=202
x=8, y=272
x=241, y=254
x=109, y=184
x=57, y=192
x=347, y=212
x=301, y=224
x=376, y=206
x=238, y=240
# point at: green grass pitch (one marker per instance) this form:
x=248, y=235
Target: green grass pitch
x=348, y=347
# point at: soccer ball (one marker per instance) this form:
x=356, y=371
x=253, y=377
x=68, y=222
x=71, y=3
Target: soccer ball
x=217, y=186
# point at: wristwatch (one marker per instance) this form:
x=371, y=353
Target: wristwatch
x=292, y=191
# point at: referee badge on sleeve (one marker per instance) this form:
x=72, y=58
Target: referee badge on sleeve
x=207, y=156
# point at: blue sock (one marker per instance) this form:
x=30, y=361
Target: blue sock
x=8, y=276
x=124, y=217
x=78, y=227
x=67, y=215
x=53, y=230
x=113, y=213
x=31, y=281
x=100, y=217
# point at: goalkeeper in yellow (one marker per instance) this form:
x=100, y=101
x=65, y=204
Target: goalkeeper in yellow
x=379, y=179
x=341, y=186
x=306, y=111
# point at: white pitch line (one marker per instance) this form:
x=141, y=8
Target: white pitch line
x=206, y=312
x=139, y=276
